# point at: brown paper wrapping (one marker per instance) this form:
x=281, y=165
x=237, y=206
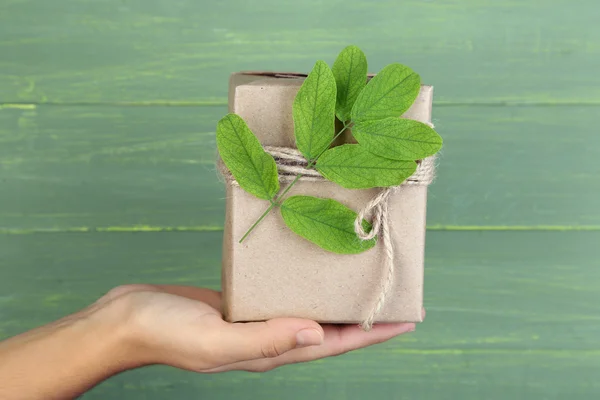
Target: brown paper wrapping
x=274, y=272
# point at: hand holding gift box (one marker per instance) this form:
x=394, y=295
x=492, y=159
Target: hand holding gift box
x=326, y=193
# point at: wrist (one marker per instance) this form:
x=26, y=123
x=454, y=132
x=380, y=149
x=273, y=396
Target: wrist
x=116, y=325
x=69, y=356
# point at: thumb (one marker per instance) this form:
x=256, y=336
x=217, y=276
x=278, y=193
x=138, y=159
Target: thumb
x=254, y=340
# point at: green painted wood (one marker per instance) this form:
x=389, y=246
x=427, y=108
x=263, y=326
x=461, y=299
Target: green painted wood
x=107, y=166
x=183, y=50
x=64, y=167
x=510, y=315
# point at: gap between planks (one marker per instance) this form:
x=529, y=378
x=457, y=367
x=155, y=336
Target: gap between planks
x=223, y=102
x=147, y=229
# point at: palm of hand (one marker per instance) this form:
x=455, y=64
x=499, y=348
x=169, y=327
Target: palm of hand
x=182, y=326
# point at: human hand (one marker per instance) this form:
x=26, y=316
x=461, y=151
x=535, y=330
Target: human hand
x=182, y=326
x=137, y=325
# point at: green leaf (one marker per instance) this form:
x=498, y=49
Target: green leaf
x=353, y=167
x=314, y=112
x=350, y=72
x=389, y=94
x=242, y=153
x=398, y=138
x=325, y=222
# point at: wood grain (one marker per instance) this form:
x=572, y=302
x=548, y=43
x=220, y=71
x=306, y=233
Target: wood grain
x=509, y=316
x=183, y=50
x=65, y=167
x=107, y=116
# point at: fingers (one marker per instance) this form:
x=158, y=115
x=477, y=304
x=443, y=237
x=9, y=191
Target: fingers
x=339, y=339
x=342, y=339
x=256, y=340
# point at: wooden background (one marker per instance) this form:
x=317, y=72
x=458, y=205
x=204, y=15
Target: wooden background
x=107, y=116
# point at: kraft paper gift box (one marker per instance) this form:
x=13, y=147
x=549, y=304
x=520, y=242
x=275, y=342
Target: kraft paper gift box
x=276, y=273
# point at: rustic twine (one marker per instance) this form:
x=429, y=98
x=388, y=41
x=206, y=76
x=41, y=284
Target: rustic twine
x=291, y=163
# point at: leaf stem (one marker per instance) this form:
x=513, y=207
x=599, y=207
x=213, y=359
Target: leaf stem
x=337, y=135
x=273, y=204
x=287, y=189
x=311, y=164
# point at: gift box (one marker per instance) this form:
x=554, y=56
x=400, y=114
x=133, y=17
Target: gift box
x=276, y=273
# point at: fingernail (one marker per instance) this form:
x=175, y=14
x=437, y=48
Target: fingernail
x=308, y=337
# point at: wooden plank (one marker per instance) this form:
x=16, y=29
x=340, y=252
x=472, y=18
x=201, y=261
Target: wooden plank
x=107, y=166
x=64, y=167
x=183, y=51
x=510, y=315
